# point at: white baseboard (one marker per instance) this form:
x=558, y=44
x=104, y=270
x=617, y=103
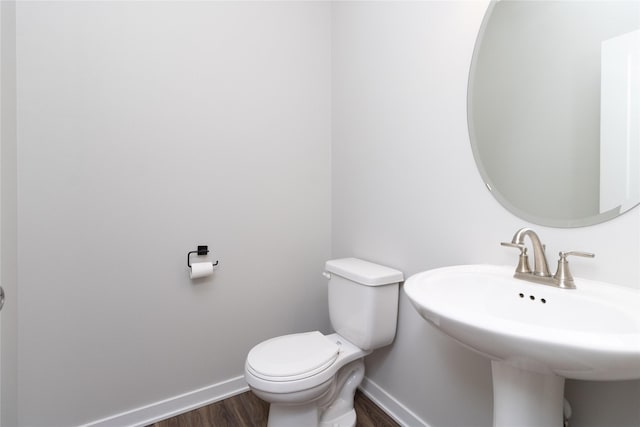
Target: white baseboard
x=173, y=406
x=182, y=403
x=396, y=410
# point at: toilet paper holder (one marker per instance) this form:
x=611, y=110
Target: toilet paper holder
x=202, y=250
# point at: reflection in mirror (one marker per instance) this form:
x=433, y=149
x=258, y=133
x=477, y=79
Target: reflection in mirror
x=554, y=108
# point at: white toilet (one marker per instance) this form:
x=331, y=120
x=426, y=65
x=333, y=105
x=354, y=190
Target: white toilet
x=310, y=378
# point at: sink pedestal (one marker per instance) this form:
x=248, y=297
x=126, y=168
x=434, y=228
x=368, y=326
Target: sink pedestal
x=526, y=399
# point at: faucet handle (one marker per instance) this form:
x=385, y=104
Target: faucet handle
x=514, y=245
x=564, y=255
x=523, y=260
x=563, y=277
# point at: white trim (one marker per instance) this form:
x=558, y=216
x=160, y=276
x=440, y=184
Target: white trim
x=189, y=401
x=396, y=410
x=173, y=406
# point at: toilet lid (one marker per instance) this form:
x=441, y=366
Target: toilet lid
x=291, y=357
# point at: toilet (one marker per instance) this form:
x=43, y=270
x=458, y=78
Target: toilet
x=309, y=378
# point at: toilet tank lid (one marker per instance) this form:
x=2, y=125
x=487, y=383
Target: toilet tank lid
x=363, y=272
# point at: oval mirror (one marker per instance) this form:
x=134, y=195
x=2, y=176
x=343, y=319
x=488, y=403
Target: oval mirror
x=554, y=108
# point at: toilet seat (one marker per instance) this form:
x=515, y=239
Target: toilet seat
x=292, y=357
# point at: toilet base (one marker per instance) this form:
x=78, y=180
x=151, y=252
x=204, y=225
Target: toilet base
x=306, y=416
x=333, y=409
x=292, y=415
x=345, y=420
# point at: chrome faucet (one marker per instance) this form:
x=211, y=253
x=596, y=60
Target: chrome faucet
x=540, y=274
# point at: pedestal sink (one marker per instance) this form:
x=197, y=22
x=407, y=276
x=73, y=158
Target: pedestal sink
x=535, y=335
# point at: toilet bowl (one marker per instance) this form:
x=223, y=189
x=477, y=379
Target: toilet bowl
x=301, y=375
x=309, y=378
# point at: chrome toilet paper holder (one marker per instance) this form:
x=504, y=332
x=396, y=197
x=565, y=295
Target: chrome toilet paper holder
x=202, y=250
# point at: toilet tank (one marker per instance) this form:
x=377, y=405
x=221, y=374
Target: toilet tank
x=363, y=301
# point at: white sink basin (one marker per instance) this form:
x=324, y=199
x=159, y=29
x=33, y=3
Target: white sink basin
x=590, y=333
x=533, y=333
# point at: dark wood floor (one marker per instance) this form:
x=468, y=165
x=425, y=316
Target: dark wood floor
x=246, y=410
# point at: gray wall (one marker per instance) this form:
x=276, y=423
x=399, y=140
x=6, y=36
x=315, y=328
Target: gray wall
x=146, y=129
x=406, y=193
